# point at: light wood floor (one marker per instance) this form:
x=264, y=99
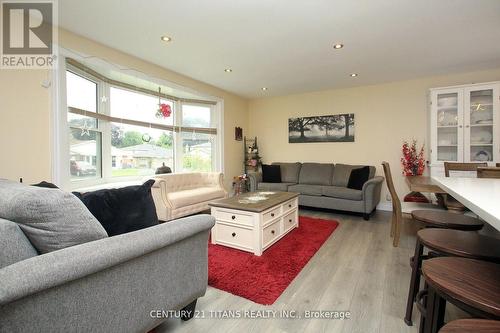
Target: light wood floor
x=356, y=269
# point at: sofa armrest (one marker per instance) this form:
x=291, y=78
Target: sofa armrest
x=159, y=190
x=371, y=192
x=220, y=183
x=215, y=179
x=255, y=179
x=56, y=268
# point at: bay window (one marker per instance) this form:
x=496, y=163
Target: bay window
x=115, y=134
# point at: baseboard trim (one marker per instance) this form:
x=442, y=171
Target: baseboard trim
x=386, y=206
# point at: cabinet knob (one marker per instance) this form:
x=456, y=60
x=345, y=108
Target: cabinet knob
x=272, y=214
x=233, y=234
x=460, y=126
x=290, y=220
x=290, y=205
x=233, y=217
x=272, y=231
x=466, y=126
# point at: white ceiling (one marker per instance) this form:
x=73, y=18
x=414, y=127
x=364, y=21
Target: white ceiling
x=286, y=45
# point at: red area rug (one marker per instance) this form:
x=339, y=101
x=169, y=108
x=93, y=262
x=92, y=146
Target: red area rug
x=263, y=279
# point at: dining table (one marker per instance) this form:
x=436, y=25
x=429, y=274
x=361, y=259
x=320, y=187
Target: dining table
x=480, y=195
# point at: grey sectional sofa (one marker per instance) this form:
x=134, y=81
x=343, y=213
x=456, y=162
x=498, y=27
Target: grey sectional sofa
x=114, y=284
x=324, y=185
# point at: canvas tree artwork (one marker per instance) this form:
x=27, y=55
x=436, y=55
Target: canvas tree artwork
x=334, y=128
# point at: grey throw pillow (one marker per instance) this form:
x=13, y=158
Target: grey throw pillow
x=51, y=218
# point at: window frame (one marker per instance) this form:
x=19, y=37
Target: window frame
x=214, y=122
x=110, y=178
x=60, y=139
x=101, y=127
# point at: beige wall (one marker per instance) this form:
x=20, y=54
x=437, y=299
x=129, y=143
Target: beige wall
x=385, y=115
x=24, y=125
x=25, y=113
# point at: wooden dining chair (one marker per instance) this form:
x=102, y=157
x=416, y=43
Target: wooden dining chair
x=450, y=202
x=454, y=166
x=397, y=213
x=489, y=172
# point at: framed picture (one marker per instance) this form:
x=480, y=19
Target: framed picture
x=334, y=128
x=238, y=134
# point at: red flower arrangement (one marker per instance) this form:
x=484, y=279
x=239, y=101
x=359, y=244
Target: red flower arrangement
x=413, y=162
x=164, y=111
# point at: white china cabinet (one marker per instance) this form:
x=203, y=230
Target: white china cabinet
x=464, y=124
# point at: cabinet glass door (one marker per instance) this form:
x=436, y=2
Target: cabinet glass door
x=447, y=126
x=480, y=125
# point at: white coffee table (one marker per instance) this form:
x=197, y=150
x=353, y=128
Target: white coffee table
x=254, y=221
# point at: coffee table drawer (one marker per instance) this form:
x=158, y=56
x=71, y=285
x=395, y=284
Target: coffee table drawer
x=289, y=205
x=234, y=236
x=270, y=233
x=233, y=217
x=272, y=214
x=289, y=221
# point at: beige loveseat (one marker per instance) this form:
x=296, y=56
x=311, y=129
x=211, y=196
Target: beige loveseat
x=182, y=194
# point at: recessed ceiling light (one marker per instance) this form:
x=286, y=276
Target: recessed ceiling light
x=264, y=88
x=166, y=39
x=228, y=70
x=338, y=46
x=353, y=74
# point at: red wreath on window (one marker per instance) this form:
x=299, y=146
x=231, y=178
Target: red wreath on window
x=164, y=111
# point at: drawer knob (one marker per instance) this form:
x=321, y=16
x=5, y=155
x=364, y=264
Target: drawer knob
x=233, y=234
x=272, y=214
x=290, y=220
x=290, y=205
x=233, y=217
x=272, y=231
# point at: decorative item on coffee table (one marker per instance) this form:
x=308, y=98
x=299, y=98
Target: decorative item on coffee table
x=240, y=184
x=413, y=163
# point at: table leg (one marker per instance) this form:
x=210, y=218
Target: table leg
x=440, y=200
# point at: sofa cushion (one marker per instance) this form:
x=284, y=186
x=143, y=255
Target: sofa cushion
x=358, y=178
x=14, y=244
x=195, y=196
x=316, y=174
x=274, y=186
x=342, y=172
x=51, y=219
x=289, y=171
x=45, y=184
x=122, y=210
x=271, y=173
x=342, y=193
x=306, y=189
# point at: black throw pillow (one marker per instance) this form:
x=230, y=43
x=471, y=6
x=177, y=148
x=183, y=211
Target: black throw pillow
x=271, y=173
x=122, y=210
x=45, y=184
x=358, y=178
